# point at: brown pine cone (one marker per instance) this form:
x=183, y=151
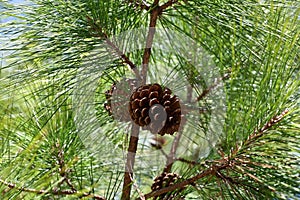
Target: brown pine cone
x=165, y=180
x=155, y=109
x=117, y=99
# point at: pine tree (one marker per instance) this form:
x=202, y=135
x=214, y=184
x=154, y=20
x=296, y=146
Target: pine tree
x=150, y=99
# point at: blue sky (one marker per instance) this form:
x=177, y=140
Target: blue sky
x=12, y=1
x=3, y=20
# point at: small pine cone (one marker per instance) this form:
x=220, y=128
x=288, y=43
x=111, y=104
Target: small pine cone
x=117, y=99
x=155, y=109
x=165, y=180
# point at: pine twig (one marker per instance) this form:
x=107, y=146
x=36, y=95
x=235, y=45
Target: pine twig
x=190, y=162
x=227, y=162
x=63, y=171
x=190, y=181
x=258, y=133
x=154, y=13
x=128, y=176
x=114, y=47
x=133, y=143
x=52, y=192
x=123, y=56
x=156, y=10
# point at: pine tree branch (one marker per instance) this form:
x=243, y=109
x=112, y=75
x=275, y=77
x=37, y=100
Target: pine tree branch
x=101, y=34
x=64, y=173
x=189, y=181
x=258, y=133
x=63, y=170
x=228, y=162
x=133, y=143
x=52, y=192
x=190, y=162
x=123, y=56
x=128, y=176
x=154, y=13
x=233, y=182
x=255, y=136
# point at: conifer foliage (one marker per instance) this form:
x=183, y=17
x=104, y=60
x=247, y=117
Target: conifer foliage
x=150, y=99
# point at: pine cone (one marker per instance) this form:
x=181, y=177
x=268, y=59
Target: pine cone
x=165, y=180
x=117, y=99
x=155, y=109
